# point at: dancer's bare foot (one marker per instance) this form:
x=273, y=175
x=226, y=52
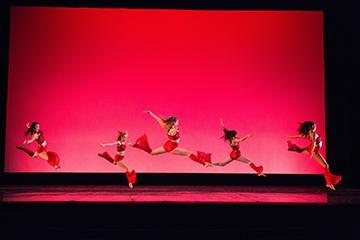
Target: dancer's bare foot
x=208, y=164
x=131, y=185
x=332, y=187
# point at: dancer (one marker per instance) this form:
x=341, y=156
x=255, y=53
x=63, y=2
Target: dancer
x=307, y=130
x=170, y=125
x=33, y=129
x=119, y=156
x=235, y=155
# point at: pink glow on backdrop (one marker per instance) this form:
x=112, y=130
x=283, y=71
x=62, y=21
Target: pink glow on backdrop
x=86, y=73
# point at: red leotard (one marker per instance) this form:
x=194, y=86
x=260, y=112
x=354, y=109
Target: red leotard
x=118, y=156
x=235, y=153
x=40, y=140
x=171, y=144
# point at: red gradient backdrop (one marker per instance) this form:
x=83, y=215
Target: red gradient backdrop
x=86, y=73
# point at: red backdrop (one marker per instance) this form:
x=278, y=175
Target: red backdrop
x=86, y=73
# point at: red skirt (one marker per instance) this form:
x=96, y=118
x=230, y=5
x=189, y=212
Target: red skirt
x=170, y=145
x=53, y=158
x=235, y=154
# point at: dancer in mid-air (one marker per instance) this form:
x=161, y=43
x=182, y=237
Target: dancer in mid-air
x=307, y=130
x=33, y=129
x=120, y=144
x=170, y=125
x=235, y=155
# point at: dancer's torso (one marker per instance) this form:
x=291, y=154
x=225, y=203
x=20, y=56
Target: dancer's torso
x=121, y=148
x=174, y=137
x=40, y=139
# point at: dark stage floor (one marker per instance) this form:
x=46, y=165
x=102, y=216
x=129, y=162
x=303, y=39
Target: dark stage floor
x=179, y=212
x=181, y=194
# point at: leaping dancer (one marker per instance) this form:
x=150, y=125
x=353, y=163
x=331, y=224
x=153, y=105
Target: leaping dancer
x=235, y=154
x=170, y=125
x=33, y=129
x=307, y=130
x=119, y=156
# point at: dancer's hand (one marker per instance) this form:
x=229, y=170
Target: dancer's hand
x=130, y=144
x=102, y=144
x=222, y=123
x=26, y=141
x=147, y=111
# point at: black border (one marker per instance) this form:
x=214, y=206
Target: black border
x=339, y=25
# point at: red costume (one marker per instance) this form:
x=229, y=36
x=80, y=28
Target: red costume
x=53, y=158
x=131, y=176
x=295, y=148
x=40, y=140
x=235, y=154
x=118, y=156
x=143, y=144
x=171, y=144
x=330, y=178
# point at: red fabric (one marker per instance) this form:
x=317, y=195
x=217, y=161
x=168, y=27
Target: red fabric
x=309, y=148
x=170, y=145
x=201, y=157
x=142, y=143
x=41, y=148
x=53, y=159
x=27, y=151
x=258, y=169
x=40, y=138
x=235, y=154
x=118, y=158
x=107, y=156
x=131, y=176
x=331, y=179
x=175, y=137
x=293, y=147
x=121, y=147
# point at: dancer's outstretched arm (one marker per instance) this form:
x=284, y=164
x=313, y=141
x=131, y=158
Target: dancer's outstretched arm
x=222, y=123
x=295, y=136
x=108, y=144
x=243, y=138
x=157, y=118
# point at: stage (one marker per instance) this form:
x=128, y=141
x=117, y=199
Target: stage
x=179, y=194
x=168, y=212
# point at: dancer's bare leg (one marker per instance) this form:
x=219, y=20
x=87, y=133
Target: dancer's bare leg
x=158, y=151
x=222, y=164
x=321, y=160
x=122, y=165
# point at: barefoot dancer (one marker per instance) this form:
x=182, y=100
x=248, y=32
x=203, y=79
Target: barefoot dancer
x=170, y=125
x=119, y=156
x=33, y=129
x=235, y=155
x=307, y=130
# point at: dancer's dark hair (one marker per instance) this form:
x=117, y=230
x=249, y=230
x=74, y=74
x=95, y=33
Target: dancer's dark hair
x=305, y=127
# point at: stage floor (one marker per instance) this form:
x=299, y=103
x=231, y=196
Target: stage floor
x=179, y=212
x=180, y=194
